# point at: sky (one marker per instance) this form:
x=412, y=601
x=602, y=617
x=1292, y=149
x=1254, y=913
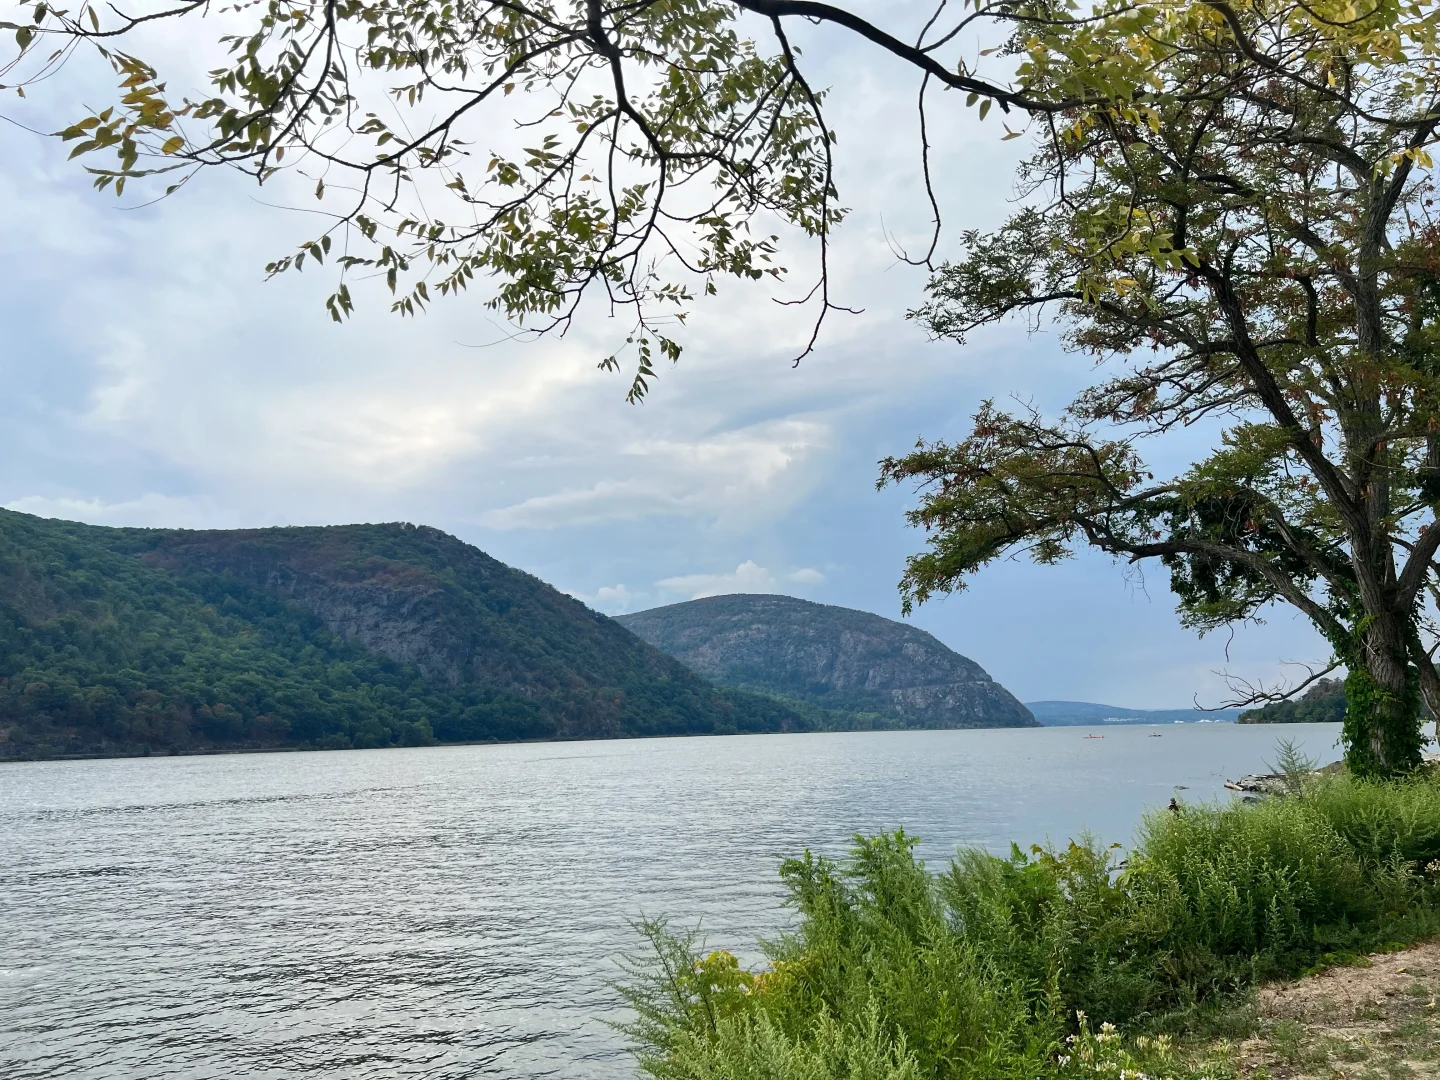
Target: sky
x=155, y=378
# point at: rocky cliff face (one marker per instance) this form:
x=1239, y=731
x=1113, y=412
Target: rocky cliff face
x=832, y=657
x=421, y=597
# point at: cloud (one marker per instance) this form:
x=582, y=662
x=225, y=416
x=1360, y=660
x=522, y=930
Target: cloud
x=152, y=510
x=611, y=599
x=605, y=501
x=153, y=378
x=756, y=470
x=749, y=576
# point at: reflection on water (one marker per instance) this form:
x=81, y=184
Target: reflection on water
x=455, y=912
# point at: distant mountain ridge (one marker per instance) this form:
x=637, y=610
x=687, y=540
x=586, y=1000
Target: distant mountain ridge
x=1070, y=713
x=847, y=662
x=117, y=641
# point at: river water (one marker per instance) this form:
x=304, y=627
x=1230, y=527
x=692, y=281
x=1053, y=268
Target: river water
x=456, y=911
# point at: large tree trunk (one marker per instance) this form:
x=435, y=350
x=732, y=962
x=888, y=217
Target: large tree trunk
x=1382, y=703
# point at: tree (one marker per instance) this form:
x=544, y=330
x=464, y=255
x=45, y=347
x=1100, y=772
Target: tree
x=1254, y=242
x=641, y=150
x=1240, y=187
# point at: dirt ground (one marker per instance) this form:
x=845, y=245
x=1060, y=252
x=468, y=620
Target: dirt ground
x=1380, y=1021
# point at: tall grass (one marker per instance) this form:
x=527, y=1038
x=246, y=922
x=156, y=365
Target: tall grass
x=991, y=968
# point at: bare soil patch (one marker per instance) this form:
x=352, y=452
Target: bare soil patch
x=1376, y=1021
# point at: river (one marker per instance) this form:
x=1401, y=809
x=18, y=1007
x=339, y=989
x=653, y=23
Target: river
x=455, y=912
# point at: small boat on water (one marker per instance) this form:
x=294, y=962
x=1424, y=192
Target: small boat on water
x=1094, y=736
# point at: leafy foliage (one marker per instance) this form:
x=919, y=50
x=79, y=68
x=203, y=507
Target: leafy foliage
x=1323, y=703
x=1249, y=241
x=642, y=151
x=140, y=641
x=1002, y=967
x=644, y=135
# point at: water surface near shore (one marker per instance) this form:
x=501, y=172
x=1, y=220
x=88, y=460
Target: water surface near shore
x=455, y=911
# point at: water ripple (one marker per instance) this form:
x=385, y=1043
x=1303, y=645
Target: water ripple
x=457, y=912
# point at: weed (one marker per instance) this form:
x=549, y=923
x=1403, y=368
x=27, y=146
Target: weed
x=988, y=970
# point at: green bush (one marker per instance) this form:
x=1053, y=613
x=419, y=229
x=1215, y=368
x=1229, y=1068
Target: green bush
x=990, y=969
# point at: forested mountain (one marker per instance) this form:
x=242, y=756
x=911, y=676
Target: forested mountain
x=852, y=663
x=148, y=640
x=1323, y=703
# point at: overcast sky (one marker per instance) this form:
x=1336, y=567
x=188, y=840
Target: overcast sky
x=154, y=378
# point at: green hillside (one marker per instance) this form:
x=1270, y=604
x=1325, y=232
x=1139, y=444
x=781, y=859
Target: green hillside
x=126, y=641
x=1323, y=703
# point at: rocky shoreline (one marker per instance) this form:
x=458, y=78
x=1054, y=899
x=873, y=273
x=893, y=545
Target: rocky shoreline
x=1279, y=784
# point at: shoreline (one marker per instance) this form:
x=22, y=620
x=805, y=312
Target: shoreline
x=1094, y=733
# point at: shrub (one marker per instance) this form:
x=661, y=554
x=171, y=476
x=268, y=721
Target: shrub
x=988, y=969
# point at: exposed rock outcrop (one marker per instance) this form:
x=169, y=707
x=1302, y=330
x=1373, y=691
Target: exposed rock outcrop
x=831, y=657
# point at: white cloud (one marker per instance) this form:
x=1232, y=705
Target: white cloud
x=749, y=576
x=152, y=510
x=611, y=599
x=125, y=365
x=143, y=353
x=605, y=501
x=753, y=471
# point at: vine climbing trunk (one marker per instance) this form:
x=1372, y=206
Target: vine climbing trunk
x=1382, y=702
